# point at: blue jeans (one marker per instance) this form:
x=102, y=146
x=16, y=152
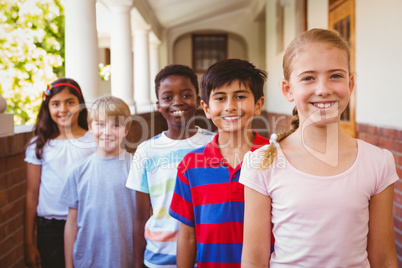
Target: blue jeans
x=51, y=242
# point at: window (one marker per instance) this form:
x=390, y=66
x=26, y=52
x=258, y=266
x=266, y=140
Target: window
x=107, y=56
x=207, y=50
x=342, y=19
x=334, y=3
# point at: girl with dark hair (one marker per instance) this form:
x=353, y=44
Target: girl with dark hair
x=61, y=140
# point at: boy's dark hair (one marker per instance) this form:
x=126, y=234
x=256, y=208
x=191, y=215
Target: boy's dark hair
x=228, y=71
x=176, y=69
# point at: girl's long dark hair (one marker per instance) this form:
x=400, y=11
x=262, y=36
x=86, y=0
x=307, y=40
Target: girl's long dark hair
x=45, y=128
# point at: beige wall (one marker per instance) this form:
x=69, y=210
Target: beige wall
x=379, y=63
x=274, y=100
x=378, y=58
x=182, y=50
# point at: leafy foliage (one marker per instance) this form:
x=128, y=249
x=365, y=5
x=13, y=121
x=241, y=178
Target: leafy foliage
x=31, y=53
x=105, y=71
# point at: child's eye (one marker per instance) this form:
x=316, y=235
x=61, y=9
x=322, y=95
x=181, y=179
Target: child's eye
x=336, y=76
x=307, y=78
x=167, y=98
x=220, y=98
x=187, y=96
x=240, y=97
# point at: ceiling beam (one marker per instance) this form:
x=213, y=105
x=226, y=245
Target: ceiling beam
x=149, y=16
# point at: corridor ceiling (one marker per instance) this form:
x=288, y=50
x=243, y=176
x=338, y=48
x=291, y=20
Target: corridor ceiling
x=171, y=13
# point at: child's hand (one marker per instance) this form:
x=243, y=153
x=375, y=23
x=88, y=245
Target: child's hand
x=32, y=257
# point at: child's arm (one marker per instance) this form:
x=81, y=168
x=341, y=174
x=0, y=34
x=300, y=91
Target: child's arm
x=142, y=214
x=32, y=256
x=70, y=235
x=257, y=229
x=381, y=242
x=186, y=247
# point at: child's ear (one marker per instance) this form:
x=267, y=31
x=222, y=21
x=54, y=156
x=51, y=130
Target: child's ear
x=351, y=83
x=158, y=106
x=287, y=91
x=258, y=106
x=90, y=127
x=205, y=107
x=198, y=101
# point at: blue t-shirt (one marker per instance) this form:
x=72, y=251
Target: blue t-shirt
x=96, y=188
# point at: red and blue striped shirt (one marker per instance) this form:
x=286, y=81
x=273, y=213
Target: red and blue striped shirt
x=209, y=197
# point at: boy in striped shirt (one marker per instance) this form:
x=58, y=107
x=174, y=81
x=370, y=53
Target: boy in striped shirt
x=208, y=198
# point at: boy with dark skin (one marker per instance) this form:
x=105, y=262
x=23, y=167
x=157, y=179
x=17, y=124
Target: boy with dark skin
x=153, y=170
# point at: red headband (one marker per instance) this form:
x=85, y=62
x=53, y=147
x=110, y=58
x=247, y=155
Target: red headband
x=67, y=84
x=49, y=88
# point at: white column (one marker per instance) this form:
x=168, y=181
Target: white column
x=121, y=51
x=154, y=65
x=141, y=71
x=81, y=43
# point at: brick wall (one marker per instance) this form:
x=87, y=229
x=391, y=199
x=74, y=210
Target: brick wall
x=12, y=198
x=390, y=139
x=278, y=122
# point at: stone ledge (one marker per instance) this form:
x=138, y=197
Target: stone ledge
x=7, y=125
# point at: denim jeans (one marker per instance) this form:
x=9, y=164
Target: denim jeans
x=51, y=242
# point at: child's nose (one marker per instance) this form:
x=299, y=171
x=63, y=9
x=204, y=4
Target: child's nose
x=323, y=88
x=63, y=107
x=178, y=100
x=108, y=130
x=231, y=105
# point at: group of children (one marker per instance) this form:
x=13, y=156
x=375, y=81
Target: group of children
x=187, y=198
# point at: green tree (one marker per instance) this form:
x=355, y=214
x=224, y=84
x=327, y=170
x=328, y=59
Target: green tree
x=31, y=53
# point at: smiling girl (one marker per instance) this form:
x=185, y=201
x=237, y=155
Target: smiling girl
x=60, y=141
x=329, y=196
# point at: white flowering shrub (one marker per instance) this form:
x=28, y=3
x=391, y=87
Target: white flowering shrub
x=31, y=53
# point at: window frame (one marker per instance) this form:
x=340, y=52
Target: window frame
x=338, y=10
x=195, y=49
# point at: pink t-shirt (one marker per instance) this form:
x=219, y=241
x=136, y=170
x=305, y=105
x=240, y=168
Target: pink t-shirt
x=321, y=221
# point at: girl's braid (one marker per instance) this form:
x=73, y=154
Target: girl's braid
x=271, y=153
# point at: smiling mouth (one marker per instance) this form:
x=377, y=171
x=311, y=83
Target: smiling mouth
x=323, y=105
x=231, y=119
x=178, y=113
x=63, y=117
